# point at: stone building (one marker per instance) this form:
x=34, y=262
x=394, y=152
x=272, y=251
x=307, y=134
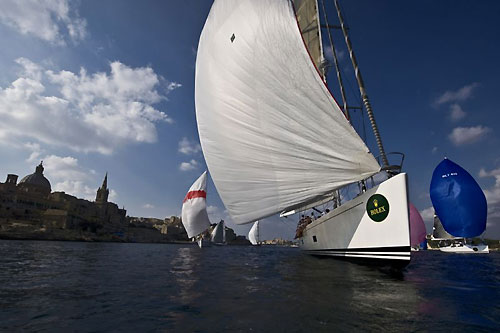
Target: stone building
x=31, y=202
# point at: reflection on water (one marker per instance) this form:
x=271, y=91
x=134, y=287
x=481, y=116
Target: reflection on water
x=184, y=277
x=156, y=287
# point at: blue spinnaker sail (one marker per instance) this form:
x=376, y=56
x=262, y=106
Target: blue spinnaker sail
x=458, y=200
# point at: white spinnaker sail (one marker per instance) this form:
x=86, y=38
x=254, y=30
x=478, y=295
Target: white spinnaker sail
x=271, y=132
x=194, y=208
x=218, y=233
x=253, y=234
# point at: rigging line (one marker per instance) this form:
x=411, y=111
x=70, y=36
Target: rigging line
x=352, y=89
x=362, y=90
x=288, y=225
x=364, y=127
x=335, y=60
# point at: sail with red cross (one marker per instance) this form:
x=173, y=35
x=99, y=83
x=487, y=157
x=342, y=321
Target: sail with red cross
x=194, y=208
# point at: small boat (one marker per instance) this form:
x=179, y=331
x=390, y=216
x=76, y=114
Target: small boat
x=253, y=234
x=194, y=211
x=276, y=141
x=460, y=206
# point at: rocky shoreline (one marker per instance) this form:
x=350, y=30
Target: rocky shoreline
x=138, y=230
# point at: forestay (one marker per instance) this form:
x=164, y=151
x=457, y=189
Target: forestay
x=272, y=134
x=194, y=208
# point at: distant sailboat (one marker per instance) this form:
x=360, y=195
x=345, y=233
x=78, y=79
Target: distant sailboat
x=218, y=235
x=460, y=206
x=253, y=234
x=276, y=141
x=194, y=210
x=417, y=228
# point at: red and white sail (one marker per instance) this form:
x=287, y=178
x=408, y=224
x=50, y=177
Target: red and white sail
x=194, y=208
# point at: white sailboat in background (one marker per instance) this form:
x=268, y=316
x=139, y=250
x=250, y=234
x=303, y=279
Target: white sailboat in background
x=218, y=235
x=253, y=234
x=275, y=140
x=449, y=243
x=194, y=211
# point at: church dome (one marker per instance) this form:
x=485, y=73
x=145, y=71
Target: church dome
x=36, y=180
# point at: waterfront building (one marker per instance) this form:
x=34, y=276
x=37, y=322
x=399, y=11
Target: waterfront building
x=31, y=203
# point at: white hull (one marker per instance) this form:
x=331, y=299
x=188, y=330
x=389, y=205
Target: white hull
x=349, y=232
x=466, y=248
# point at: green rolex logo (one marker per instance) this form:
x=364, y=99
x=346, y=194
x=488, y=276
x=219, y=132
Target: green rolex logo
x=377, y=207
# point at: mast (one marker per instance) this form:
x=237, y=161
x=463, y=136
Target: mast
x=335, y=61
x=362, y=89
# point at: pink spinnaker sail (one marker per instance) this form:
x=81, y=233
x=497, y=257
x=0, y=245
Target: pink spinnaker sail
x=417, y=227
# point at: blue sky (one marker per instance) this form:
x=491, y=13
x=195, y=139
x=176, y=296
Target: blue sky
x=94, y=87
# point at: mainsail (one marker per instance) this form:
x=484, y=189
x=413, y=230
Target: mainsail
x=458, y=200
x=218, y=234
x=438, y=231
x=253, y=234
x=272, y=135
x=194, y=208
x=309, y=24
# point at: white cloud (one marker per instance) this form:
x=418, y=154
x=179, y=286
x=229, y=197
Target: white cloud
x=148, y=206
x=65, y=174
x=329, y=54
x=460, y=95
x=173, y=85
x=189, y=147
x=466, y=135
x=91, y=113
x=428, y=217
x=36, y=151
x=212, y=209
x=75, y=188
x=49, y=20
x=113, y=195
x=456, y=112
x=63, y=168
x=428, y=214
x=493, y=199
x=214, y=213
x=188, y=166
x=434, y=150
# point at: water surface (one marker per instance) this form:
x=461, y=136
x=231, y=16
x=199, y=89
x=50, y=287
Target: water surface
x=71, y=286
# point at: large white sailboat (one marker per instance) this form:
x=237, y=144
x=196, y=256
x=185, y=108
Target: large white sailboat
x=194, y=211
x=276, y=141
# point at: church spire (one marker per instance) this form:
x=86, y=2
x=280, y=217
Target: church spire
x=103, y=192
x=105, y=182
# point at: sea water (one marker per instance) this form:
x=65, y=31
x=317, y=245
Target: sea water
x=100, y=287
